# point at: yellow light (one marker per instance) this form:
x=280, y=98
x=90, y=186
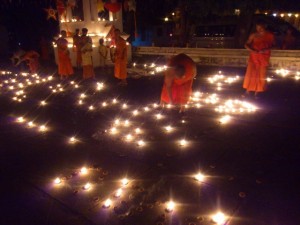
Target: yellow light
x=158, y=116
x=87, y=186
x=124, y=181
x=113, y=130
x=43, y=103
x=225, y=119
x=104, y=104
x=135, y=112
x=138, y=131
x=126, y=123
x=57, y=180
x=31, y=124
x=80, y=102
x=124, y=106
x=129, y=137
x=118, y=193
x=182, y=142
x=21, y=119
x=166, y=19
x=219, y=218
x=170, y=206
x=141, y=143
x=107, y=203
x=83, y=170
x=146, y=109
x=72, y=140
x=82, y=95
x=42, y=128
x=114, y=101
x=91, y=108
x=199, y=177
x=117, y=122
x=168, y=128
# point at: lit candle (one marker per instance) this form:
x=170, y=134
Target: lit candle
x=170, y=206
x=219, y=218
x=168, y=128
x=182, y=142
x=107, y=203
x=124, y=181
x=72, y=140
x=83, y=170
x=42, y=128
x=87, y=186
x=118, y=193
x=21, y=119
x=129, y=137
x=199, y=177
x=140, y=143
x=57, y=180
x=225, y=119
x=43, y=103
x=31, y=124
x=138, y=130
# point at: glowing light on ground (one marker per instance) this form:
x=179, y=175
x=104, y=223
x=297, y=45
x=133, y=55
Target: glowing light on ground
x=83, y=171
x=107, y=203
x=219, y=218
x=199, y=177
x=118, y=193
x=170, y=206
x=57, y=180
x=183, y=142
x=87, y=186
x=124, y=181
x=225, y=119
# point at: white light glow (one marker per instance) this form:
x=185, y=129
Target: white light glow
x=219, y=218
x=170, y=206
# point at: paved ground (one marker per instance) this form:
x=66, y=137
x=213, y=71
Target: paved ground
x=251, y=164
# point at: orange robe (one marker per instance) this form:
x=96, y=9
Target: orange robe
x=181, y=88
x=255, y=77
x=32, y=58
x=121, y=59
x=76, y=48
x=64, y=62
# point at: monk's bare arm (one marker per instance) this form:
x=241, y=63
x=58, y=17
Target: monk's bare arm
x=249, y=42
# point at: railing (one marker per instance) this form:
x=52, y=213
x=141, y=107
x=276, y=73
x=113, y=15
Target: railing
x=224, y=57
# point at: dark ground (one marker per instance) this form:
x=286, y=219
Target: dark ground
x=252, y=163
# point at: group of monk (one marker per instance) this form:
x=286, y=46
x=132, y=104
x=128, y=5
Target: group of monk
x=178, y=79
x=83, y=47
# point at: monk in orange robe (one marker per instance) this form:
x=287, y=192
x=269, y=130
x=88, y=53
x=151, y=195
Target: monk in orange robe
x=259, y=44
x=178, y=82
x=32, y=59
x=77, y=47
x=65, y=68
x=86, y=55
x=120, y=58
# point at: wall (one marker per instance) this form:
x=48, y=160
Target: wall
x=224, y=57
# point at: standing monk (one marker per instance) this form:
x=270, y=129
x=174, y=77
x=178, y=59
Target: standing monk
x=76, y=48
x=65, y=68
x=259, y=44
x=86, y=54
x=102, y=53
x=178, y=82
x=120, y=58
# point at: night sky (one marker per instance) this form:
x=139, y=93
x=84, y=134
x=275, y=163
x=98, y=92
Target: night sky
x=26, y=21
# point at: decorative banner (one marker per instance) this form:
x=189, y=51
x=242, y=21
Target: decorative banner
x=113, y=7
x=100, y=6
x=51, y=13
